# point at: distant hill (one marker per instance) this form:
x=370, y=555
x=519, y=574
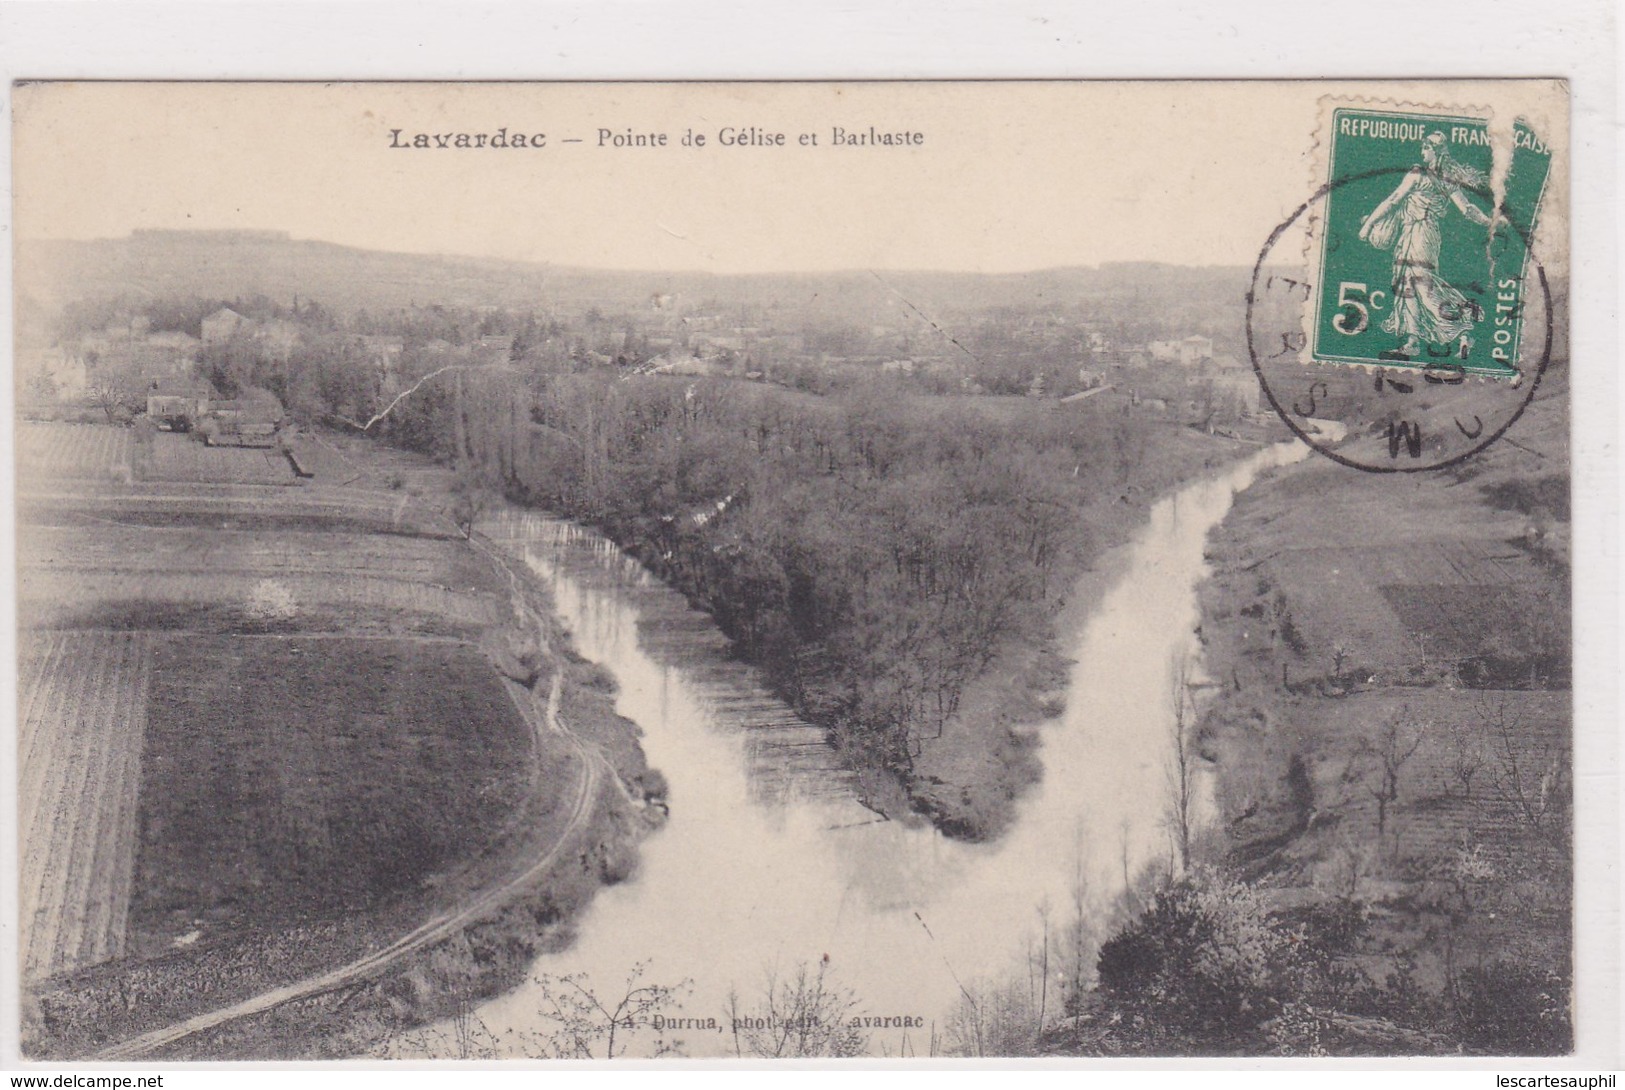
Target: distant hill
x=226, y=264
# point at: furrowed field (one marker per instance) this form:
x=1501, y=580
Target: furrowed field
x=82, y=721
x=178, y=458
x=265, y=727
x=255, y=829
x=70, y=451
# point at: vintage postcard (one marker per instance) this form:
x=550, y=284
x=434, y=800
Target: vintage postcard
x=794, y=570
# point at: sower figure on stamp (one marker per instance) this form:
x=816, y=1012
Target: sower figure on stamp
x=1426, y=308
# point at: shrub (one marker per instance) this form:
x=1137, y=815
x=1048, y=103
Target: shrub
x=1203, y=968
x=1508, y=1009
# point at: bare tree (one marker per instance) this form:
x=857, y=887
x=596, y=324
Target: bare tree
x=467, y=1037
x=1079, y=942
x=1340, y=655
x=803, y=1015
x=1349, y=862
x=414, y=388
x=470, y=497
x=994, y=1019
x=588, y=1026
x=1466, y=758
x=1530, y=778
x=1039, y=967
x=116, y=389
x=1180, y=771
x=1385, y=756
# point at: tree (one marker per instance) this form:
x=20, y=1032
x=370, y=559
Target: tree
x=1200, y=970
x=466, y=1038
x=235, y=364
x=585, y=1025
x=262, y=403
x=1079, y=941
x=470, y=498
x=1129, y=442
x=1527, y=776
x=994, y=1019
x=117, y=389
x=1181, y=783
x=41, y=387
x=803, y=1015
x=1466, y=757
x=1384, y=757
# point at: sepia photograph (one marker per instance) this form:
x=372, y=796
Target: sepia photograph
x=793, y=570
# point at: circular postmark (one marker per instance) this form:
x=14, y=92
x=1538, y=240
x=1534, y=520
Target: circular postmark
x=1415, y=405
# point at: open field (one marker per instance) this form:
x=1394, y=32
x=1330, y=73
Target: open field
x=349, y=462
x=1388, y=608
x=188, y=585
x=67, y=451
x=166, y=568
x=83, y=713
x=324, y=507
x=1352, y=581
x=263, y=546
x=1461, y=786
x=176, y=457
x=291, y=778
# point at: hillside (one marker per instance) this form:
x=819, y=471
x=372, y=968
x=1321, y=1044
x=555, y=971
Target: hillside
x=1391, y=716
x=223, y=264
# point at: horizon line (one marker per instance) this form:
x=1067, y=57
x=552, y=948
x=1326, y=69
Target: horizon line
x=273, y=234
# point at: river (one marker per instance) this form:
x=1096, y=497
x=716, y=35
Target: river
x=768, y=864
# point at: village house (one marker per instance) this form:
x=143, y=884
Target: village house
x=219, y=326
x=174, y=403
x=1190, y=351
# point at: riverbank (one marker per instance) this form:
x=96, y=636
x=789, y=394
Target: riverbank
x=1390, y=729
x=970, y=781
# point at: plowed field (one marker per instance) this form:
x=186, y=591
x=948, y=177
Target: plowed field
x=69, y=451
x=83, y=714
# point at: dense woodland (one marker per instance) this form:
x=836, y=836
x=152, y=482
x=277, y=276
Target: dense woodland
x=871, y=550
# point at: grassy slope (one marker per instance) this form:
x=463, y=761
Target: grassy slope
x=1342, y=603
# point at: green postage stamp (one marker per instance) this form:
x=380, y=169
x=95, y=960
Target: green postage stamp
x=1424, y=246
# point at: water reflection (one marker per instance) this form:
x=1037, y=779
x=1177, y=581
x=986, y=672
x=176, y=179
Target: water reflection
x=768, y=861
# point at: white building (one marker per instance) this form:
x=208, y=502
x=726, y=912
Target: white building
x=1190, y=351
x=219, y=326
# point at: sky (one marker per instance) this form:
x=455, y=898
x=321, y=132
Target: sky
x=1006, y=176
